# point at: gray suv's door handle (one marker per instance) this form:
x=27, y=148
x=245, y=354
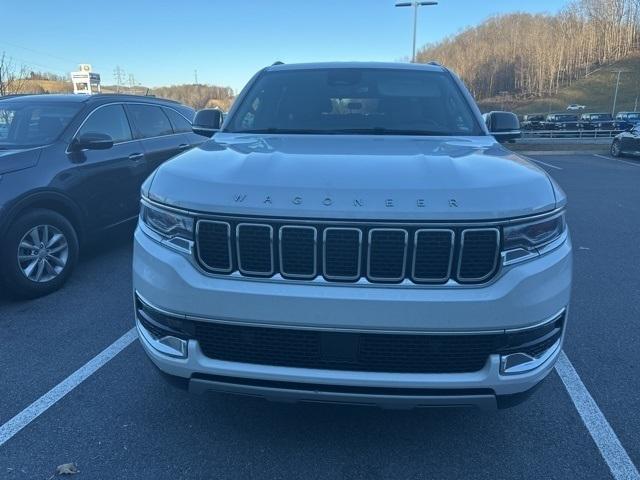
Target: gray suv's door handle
x=183, y=146
x=136, y=156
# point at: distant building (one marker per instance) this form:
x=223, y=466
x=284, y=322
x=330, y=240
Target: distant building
x=85, y=82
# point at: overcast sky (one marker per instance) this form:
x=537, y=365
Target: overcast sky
x=164, y=42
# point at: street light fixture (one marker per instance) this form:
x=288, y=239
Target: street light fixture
x=415, y=5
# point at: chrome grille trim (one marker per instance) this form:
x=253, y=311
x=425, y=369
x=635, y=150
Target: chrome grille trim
x=415, y=253
x=249, y=272
x=344, y=258
x=404, y=256
x=201, y=260
x=461, y=255
x=315, y=251
x=324, y=255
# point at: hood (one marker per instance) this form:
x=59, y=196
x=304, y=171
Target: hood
x=18, y=159
x=354, y=177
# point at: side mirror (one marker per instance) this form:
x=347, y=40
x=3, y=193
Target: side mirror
x=92, y=141
x=504, y=126
x=207, y=122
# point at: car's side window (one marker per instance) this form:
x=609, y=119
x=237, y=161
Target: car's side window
x=149, y=121
x=111, y=120
x=180, y=124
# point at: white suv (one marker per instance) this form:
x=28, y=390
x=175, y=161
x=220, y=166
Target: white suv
x=353, y=233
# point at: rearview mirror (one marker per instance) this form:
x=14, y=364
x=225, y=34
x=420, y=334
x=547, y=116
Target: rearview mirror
x=207, y=122
x=92, y=141
x=504, y=126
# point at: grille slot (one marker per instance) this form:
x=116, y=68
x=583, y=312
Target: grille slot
x=342, y=253
x=214, y=245
x=432, y=255
x=298, y=252
x=255, y=253
x=387, y=254
x=479, y=254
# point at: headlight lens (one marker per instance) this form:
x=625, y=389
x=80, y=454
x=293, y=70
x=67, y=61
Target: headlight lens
x=166, y=223
x=533, y=235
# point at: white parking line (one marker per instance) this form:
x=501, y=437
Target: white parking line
x=544, y=163
x=621, y=466
x=41, y=405
x=616, y=159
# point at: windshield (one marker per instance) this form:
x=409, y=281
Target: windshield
x=564, y=118
x=32, y=124
x=601, y=116
x=355, y=101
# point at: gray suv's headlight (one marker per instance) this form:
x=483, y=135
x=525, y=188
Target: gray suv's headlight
x=173, y=228
x=533, y=235
x=521, y=241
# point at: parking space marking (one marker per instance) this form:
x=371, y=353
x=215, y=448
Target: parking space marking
x=621, y=466
x=545, y=163
x=616, y=159
x=42, y=404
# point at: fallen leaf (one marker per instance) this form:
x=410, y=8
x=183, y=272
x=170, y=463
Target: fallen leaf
x=67, y=469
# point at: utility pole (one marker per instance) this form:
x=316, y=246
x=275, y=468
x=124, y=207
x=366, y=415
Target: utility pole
x=195, y=74
x=118, y=76
x=132, y=83
x=415, y=4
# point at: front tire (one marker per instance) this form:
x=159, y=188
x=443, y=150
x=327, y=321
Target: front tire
x=38, y=253
x=616, y=150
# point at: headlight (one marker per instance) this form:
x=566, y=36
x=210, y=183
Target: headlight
x=531, y=236
x=175, y=229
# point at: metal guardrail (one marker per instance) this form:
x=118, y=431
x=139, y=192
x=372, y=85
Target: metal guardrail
x=570, y=133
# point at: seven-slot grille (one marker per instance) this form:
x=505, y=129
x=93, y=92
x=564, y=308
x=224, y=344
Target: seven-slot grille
x=346, y=253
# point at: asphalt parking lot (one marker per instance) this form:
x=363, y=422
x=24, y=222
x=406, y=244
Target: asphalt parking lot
x=124, y=422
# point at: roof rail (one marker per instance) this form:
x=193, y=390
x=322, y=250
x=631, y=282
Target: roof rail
x=277, y=63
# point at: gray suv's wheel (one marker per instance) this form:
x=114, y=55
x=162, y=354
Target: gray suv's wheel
x=616, y=151
x=38, y=253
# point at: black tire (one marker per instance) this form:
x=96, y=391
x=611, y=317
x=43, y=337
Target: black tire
x=13, y=277
x=616, y=151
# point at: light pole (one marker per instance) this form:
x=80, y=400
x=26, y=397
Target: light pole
x=415, y=4
x=615, y=94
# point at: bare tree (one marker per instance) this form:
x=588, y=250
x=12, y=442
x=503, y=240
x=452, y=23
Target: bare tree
x=12, y=77
x=533, y=55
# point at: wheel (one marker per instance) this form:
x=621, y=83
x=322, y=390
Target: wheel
x=615, y=149
x=38, y=253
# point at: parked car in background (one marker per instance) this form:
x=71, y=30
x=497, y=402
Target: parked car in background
x=354, y=233
x=533, y=122
x=574, y=107
x=561, y=121
x=626, y=120
x=596, y=121
x=627, y=142
x=72, y=166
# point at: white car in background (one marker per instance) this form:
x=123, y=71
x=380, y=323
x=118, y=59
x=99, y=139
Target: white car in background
x=574, y=107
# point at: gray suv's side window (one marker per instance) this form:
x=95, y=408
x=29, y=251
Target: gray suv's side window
x=180, y=124
x=111, y=120
x=149, y=121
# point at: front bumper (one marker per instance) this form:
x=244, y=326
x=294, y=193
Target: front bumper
x=523, y=295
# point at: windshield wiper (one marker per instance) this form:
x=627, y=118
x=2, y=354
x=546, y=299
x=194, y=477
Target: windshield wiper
x=348, y=131
x=389, y=131
x=279, y=130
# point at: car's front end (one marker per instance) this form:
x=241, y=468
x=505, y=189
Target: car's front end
x=398, y=270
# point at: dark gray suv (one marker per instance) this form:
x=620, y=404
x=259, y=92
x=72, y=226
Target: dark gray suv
x=72, y=166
